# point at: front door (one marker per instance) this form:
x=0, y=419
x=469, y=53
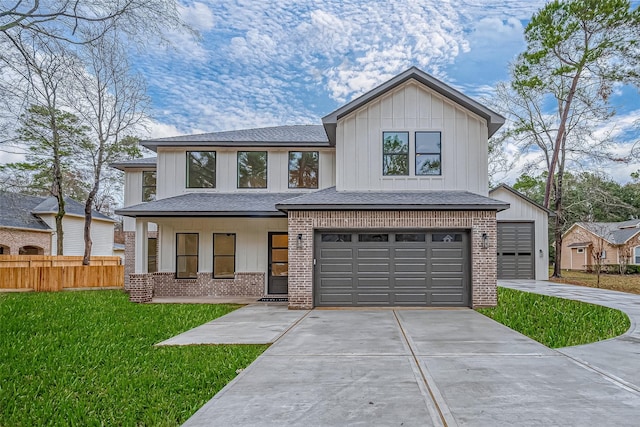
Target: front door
x=278, y=263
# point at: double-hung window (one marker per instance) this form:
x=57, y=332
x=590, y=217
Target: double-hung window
x=395, y=153
x=252, y=169
x=224, y=255
x=201, y=169
x=636, y=255
x=428, y=153
x=186, y=255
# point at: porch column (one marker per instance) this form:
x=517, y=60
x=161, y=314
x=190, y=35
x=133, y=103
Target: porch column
x=142, y=243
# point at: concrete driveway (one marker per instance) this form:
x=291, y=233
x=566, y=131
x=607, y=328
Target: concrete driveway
x=415, y=368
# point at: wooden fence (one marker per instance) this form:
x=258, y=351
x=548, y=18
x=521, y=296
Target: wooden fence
x=54, y=273
x=54, y=261
x=58, y=278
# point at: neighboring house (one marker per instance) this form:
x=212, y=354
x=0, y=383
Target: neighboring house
x=523, y=236
x=27, y=227
x=616, y=242
x=384, y=204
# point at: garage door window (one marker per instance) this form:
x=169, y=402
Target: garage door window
x=411, y=237
x=333, y=237
x=373, y=237
x=446, y=238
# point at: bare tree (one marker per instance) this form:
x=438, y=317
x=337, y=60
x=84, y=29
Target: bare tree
x=111, y=101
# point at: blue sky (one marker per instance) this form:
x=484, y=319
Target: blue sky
x=279, y=62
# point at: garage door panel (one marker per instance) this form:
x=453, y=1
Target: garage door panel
x=516, y=250
x=331, y=267
x=431, y=270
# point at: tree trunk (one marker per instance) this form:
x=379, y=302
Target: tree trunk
x=559, y=223
x=59, y=229
x=88, y=243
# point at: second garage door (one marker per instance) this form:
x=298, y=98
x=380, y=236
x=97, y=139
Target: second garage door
x=515, y=250
x=403, y=268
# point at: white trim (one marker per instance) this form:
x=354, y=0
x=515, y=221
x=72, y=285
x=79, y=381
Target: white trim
x=636, y=249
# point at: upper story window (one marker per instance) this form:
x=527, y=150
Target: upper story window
x=148, y=186
x=201, y=169
x=303, y=169
x=252, y=169
x=428, y=153
x=395, y=153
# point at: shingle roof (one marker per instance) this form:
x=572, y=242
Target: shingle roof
x=15, y=211
x=49, y=205
x=145, y=162
x=612, y=231
x=329, y=198
x=210, y=204
x=302, y=135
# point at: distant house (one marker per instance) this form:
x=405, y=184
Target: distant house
x=618, y=243
x=27, y=227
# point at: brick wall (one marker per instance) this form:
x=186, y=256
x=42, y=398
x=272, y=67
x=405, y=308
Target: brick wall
x=483, y=263
x=14, y=239
x=140, y=288
x=244, y=285
x=130, y=254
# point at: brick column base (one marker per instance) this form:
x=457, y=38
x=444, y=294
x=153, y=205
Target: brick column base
x=140, y=288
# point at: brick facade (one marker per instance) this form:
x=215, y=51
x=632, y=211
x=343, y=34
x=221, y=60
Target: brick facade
x=130, y=253
x=483, y=261
x=243, y=285
x=140, y=288
x=13, y=239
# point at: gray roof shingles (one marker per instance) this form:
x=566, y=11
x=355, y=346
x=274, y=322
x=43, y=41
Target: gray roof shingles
x=405, y=200
x=614, y=232
x=271, y=204
x=15, y=211
x=269, y=136
x=144, y=162
x=71, y=207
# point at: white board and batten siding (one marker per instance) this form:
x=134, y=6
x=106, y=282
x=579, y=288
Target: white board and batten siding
x=73, y=227
x=412, y=107
x=251, y=240
x=133, y=196
x=522, y=210
x=172, y=170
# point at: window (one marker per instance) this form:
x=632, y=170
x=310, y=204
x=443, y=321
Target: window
x=373, y=237
x=152, y=255
x=224, y=256
x=428, y=153
x=413, y=237
x=186, y=255
x=148, y=186
x=395, y=153
x=201, y=169
x=580, y=250
x=332, y=237
x=636, y=255
x=303, y=169
x=252, y=169
x=446, y=237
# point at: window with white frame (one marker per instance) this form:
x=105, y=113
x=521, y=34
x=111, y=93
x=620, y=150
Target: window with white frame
x=580, y=250
x=636, y=255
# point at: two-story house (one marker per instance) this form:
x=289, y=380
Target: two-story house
x=384, y=204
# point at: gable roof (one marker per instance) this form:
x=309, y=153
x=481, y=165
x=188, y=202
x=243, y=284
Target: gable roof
x=616, y=233
x=49, y=205
x=277, y=136
x=15, y=211
x=494, y=120
x=523, y=197
x=146, y=162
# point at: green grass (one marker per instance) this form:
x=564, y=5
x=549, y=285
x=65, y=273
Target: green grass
x=556, y=322
x=87, y=358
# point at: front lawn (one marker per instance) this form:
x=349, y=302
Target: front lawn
x=87, y=358
x=556, y=322
x=616, y=282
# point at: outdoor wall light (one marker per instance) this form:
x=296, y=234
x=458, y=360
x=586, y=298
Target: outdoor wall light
x=485, y=241
x=299, y=241
x=540, y=253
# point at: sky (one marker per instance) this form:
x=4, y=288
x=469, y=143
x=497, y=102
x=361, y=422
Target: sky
x=282, y=62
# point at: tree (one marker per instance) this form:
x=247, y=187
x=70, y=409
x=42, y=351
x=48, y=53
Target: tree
x=576, y=51
x=85, y=21
x=111, y=101
x=51, y=137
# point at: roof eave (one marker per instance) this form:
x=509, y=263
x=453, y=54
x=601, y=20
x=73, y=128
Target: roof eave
x=389, y=207
x=153, y=145
x=169, y=214
x=522, y=196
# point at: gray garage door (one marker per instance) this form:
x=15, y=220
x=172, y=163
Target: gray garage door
x=515, y=250
x=408, y=268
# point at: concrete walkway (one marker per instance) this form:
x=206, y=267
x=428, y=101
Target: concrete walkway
x=415, y=368
x=253, y=324
x=617, y=358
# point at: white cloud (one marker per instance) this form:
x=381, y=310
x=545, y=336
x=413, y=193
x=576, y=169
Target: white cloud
x=197, y=15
